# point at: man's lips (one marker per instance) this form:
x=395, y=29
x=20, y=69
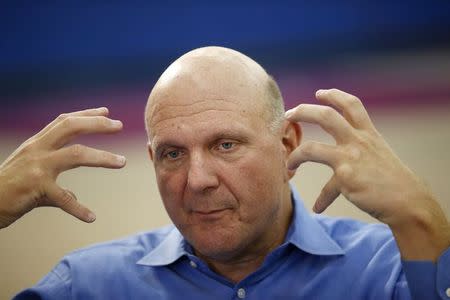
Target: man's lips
x=210, y=214
x=211, y=211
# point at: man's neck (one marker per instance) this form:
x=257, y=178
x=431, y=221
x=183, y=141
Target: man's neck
x=237, y=270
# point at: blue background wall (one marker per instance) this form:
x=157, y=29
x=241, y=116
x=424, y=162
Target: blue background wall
x=67, y=55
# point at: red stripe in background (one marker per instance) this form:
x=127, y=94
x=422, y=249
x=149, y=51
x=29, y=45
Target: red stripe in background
x=394, y=85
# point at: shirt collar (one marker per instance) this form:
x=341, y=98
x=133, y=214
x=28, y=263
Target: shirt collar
x=307, y=234
x=304, y=232
x=172, y=247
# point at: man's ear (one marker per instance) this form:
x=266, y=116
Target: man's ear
x=291, y=139
x=149, y=149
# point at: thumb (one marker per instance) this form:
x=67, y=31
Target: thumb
x=67, y=201
x=328, y=194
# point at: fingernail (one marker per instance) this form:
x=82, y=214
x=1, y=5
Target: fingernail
x=116, y=124
x=314, y=209
x=121, y=159
x=91, y=217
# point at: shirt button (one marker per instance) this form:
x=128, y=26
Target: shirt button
x=241, y=293
x=447, y=292
x=193, y=264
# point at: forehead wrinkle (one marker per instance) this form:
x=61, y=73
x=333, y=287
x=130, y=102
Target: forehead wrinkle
x=193, y=103
x=189, y=115
x=175, y=110
x=159, y=105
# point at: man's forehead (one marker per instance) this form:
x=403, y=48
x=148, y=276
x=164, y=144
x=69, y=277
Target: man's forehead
x=185, y=98
x=173, y=111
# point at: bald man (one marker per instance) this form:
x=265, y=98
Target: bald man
x=224, y=151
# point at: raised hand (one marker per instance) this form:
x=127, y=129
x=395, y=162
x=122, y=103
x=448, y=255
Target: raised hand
x=28, y=176
x=366, y=170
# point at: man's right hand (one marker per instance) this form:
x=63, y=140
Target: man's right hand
x=28, y=176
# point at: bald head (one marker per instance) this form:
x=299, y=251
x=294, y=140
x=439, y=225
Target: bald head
x=221, y=74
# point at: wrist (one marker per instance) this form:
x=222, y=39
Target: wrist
x=423, y=234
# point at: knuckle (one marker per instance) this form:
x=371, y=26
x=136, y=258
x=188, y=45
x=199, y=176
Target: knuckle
x=65, y=199
x=353, y=102
x=353, y=153
x=68, y=121
x=308, y=148
x=299, y=108
x=102, y=121
x=344, y=172
x=62, y=117
x=27, y=147
x=34, y=143
x=327, y=112
x=77, y=151
x=354, y=99
x=36, y=174
x=105, y=156
x=365, y=141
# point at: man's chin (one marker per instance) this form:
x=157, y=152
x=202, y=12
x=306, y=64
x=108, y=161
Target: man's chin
x=218, y=254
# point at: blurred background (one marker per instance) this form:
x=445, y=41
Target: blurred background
x=65, y=56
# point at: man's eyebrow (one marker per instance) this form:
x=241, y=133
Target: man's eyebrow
x=229, y=134
x=160, y=146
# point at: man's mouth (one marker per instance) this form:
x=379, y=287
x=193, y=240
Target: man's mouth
x=210, y=215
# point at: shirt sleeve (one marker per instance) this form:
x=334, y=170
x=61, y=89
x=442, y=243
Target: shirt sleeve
x=428, y=280
x=55, y=285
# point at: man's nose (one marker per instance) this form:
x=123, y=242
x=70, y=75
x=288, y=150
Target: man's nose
x=202, y=175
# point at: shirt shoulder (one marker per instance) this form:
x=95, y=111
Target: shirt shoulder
x=109, y=264
x=130, y=248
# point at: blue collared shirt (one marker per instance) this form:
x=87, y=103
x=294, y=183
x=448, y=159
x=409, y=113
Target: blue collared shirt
x=321, y=258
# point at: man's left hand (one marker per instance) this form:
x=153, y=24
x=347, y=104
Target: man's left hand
x=367, y=172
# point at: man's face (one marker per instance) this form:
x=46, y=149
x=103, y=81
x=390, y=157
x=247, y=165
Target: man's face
x=220, y=170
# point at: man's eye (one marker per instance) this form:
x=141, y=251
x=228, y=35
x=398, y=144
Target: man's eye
x=173, y=154
x=227, y=145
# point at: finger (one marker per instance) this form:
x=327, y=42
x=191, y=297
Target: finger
x=67, y=201
x=314, y=152
x=73, y=126
x=351, y=107
x=326, y=117
x=100, y=111
x=79, y=155
x=327, y=196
